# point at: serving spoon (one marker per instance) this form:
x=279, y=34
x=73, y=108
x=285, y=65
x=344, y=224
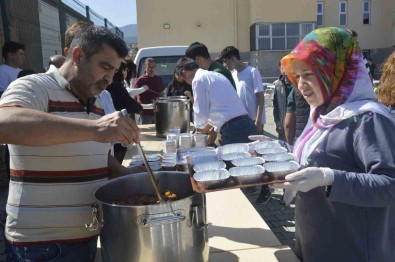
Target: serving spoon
x=149, y=170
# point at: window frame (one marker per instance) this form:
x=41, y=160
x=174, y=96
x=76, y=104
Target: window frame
x=270, y=38
x=343, y=13
x=320, y=13
x=369, y=12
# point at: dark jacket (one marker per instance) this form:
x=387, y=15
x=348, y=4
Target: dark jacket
x=302, y=113
x=122, y=99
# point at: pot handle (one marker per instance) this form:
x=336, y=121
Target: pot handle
x=97, y=222
x=160, y=219
x=198, y=218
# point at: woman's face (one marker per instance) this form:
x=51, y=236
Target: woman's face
x=307, y=83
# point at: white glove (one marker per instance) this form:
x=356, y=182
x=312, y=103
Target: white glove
x=145, y=87
x=307, y=179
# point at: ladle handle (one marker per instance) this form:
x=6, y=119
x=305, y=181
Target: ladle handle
x=150, y=174
x=149, y=170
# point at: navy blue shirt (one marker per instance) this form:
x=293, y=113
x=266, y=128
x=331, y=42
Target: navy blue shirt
x=354, y=219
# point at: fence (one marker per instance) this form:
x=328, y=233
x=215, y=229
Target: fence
x=40, y=25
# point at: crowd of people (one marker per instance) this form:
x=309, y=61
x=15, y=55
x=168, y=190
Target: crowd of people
x=60, y=127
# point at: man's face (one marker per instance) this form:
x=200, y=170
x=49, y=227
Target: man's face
x=229, y=63
x=93, y=75
x=150, y=68
x=200, y=61
x=18, y=57
x=186, y=76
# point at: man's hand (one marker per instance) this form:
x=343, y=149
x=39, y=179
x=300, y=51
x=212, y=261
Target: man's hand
x=211, y=136
x=307, y=179
x=116, y=128
x=259, y=127
x=136, y=169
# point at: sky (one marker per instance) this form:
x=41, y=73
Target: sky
x=118, y=12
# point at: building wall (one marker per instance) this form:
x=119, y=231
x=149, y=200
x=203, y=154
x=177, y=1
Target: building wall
x=378, y=38
x=282, y=11
x=227, y=22
x=379, y=34
x=216, y=23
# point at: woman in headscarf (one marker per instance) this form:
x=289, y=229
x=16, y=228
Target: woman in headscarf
x=345, y=202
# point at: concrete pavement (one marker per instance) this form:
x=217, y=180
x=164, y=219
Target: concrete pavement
x=280, y=219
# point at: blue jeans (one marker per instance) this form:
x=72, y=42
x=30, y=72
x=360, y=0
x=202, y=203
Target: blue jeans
x=237, y=130
x=59, y=252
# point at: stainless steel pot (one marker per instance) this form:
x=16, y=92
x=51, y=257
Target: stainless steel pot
x=174, y=231
x=171, y=112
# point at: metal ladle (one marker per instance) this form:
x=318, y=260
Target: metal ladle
x=149, y=170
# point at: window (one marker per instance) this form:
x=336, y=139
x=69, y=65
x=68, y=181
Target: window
x=366, y=12
x=280, y=36
x=320, y=14
x=343, y=13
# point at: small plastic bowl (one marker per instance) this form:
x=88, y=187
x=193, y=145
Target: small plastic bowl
x=266, y=151
x=209, y=166
x=279, y=157
x=212, y=179
x=202, y=153
x=248, y=161
x=233, y=148
x=203, y=159
x=280, y=169
x=153, y=157
x=266, y=144
x=233, y=156
x=245, y=175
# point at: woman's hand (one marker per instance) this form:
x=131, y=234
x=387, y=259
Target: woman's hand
x=307, y=179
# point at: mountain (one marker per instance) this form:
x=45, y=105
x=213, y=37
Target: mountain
x=129, y=33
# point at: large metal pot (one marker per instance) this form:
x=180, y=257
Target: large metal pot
x=174, y=231
x=171, y=112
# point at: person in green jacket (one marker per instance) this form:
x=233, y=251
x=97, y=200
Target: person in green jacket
x=199, y=52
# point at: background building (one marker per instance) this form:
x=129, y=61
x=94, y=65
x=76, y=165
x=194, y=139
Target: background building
x=40, y=25
x=266, y=30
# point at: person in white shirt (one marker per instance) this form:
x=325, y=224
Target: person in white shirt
x=251, y=92
x=248, y=85
x=217, y=107
x=14, y=55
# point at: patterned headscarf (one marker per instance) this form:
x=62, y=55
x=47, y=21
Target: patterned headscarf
x=333, y=56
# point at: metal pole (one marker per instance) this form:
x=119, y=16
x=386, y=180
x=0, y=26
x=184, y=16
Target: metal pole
x=6, y=24
x=62, y=23
x=105, y=22
x=88, y=14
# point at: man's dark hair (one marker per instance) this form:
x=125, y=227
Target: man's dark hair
x=11, y=47
x=118, y=76
x=229, y=52
x=132, y=71
x=370, y=59
x=197, y=49
x=149, y=60
x=73, y=30
x=92, y=39
x=185, y=63
x=56, y=60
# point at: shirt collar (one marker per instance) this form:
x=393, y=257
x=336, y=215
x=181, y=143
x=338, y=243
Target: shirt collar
x=55, y=74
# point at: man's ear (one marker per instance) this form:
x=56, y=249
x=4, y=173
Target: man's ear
x=77, y=54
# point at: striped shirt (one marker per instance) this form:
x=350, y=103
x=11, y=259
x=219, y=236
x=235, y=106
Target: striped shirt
x=51, y=187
